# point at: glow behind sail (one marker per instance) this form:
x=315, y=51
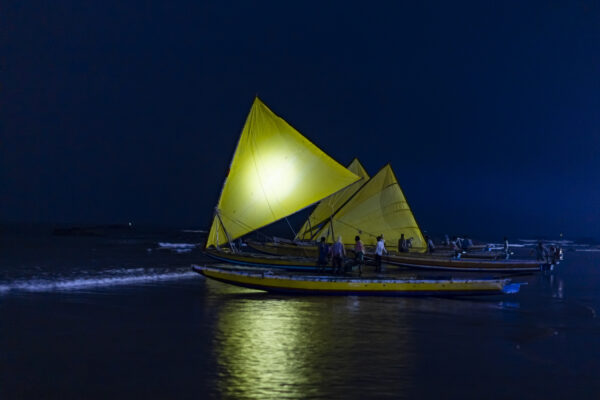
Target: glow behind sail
x=328, y=206
x=275, y=172
x=379, y=207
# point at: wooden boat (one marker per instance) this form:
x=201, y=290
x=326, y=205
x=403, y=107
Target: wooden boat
x=333, y=285
x=452, y=264
x=310, y=250
x=284, y=249
x=263, y=260
x=275, y=172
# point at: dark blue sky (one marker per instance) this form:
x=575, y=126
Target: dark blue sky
x=117, y=111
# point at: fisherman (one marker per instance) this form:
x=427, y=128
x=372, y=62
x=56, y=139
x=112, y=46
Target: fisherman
x=379, y=250
x=505, y=248
x=430, y=245
x=542, y=252
x=402, y=244
x=359, y=253
x=323, y=254
x=338, y=251
x=467, y=243
x=455, y=247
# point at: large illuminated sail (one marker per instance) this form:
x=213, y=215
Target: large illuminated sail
x=327, y=207
x=275, y=172
x=378, y=208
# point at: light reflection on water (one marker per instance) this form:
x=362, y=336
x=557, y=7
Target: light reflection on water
x=280, y=347
x=267, y=346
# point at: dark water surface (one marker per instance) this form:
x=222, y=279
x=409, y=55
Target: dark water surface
x=120, y=316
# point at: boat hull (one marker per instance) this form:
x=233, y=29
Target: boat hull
x=254, y=260
x=449, y=264
x=327, y=285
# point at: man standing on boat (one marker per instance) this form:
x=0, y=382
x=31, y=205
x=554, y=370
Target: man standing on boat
x=402, y=244
x=323, y=254
x=430, y=245
x=339, y=253
x=359, y=253
x=379, y=250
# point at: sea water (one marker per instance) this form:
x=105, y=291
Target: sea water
x=121, y=315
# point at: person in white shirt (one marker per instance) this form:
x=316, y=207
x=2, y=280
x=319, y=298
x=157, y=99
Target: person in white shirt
x=379, y=251
x=339, y=252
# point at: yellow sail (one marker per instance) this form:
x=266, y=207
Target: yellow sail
x=275, y=172
x=327, y=207
x=378, y=208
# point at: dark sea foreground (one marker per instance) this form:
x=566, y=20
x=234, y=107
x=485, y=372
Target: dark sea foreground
x=120, y=316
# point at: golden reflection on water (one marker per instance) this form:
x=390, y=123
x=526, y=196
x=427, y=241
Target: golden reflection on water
x=295, y=347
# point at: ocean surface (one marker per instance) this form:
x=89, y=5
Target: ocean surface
x=121, y=315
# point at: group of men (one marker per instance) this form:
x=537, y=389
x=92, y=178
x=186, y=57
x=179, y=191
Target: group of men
x=337, y=253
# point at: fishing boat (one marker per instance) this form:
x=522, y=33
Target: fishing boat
x=379, y=208
x=321, y=215
x=454, y=264
x=263, y=260
x=310, y=249
x=275, y=172
x=333, y=285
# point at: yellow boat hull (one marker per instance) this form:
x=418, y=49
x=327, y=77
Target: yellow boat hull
x=302, y=284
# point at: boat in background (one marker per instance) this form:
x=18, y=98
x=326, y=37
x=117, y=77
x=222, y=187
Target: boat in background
x=327, y=207
x=378, y=208
x=334, y=285
x=472, y=265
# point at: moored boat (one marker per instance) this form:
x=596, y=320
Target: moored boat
x=307, y=249
x=475, y=265
x=262, y=260
x=334, y=285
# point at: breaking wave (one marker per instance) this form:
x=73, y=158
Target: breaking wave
x=177, y=247
x=109, y=278
x=168, y=245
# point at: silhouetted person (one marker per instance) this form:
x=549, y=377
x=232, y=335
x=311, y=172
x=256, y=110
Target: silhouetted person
x=323, y=254
x=359, y=253
x=542, y=252
x=430, y=245
x=505, y=248
x=402, y=244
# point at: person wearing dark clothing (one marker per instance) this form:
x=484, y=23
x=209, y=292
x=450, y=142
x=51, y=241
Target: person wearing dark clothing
x=323, y=254
x=402, y=244
x=359, y=254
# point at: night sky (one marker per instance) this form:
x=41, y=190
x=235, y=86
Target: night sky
x=117, y=111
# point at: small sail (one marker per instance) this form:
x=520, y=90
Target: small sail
x=327, y=207
x=275, y=172
x=378, y=208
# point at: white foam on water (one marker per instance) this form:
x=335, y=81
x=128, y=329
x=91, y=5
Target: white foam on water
x=167, y=245
x=591, y=250
x=194, y=231
x=48, y=285
x=497, y=246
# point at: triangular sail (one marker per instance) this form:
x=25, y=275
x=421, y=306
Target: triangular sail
x=327, y=207
x=378, y=208
x=275, y=172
